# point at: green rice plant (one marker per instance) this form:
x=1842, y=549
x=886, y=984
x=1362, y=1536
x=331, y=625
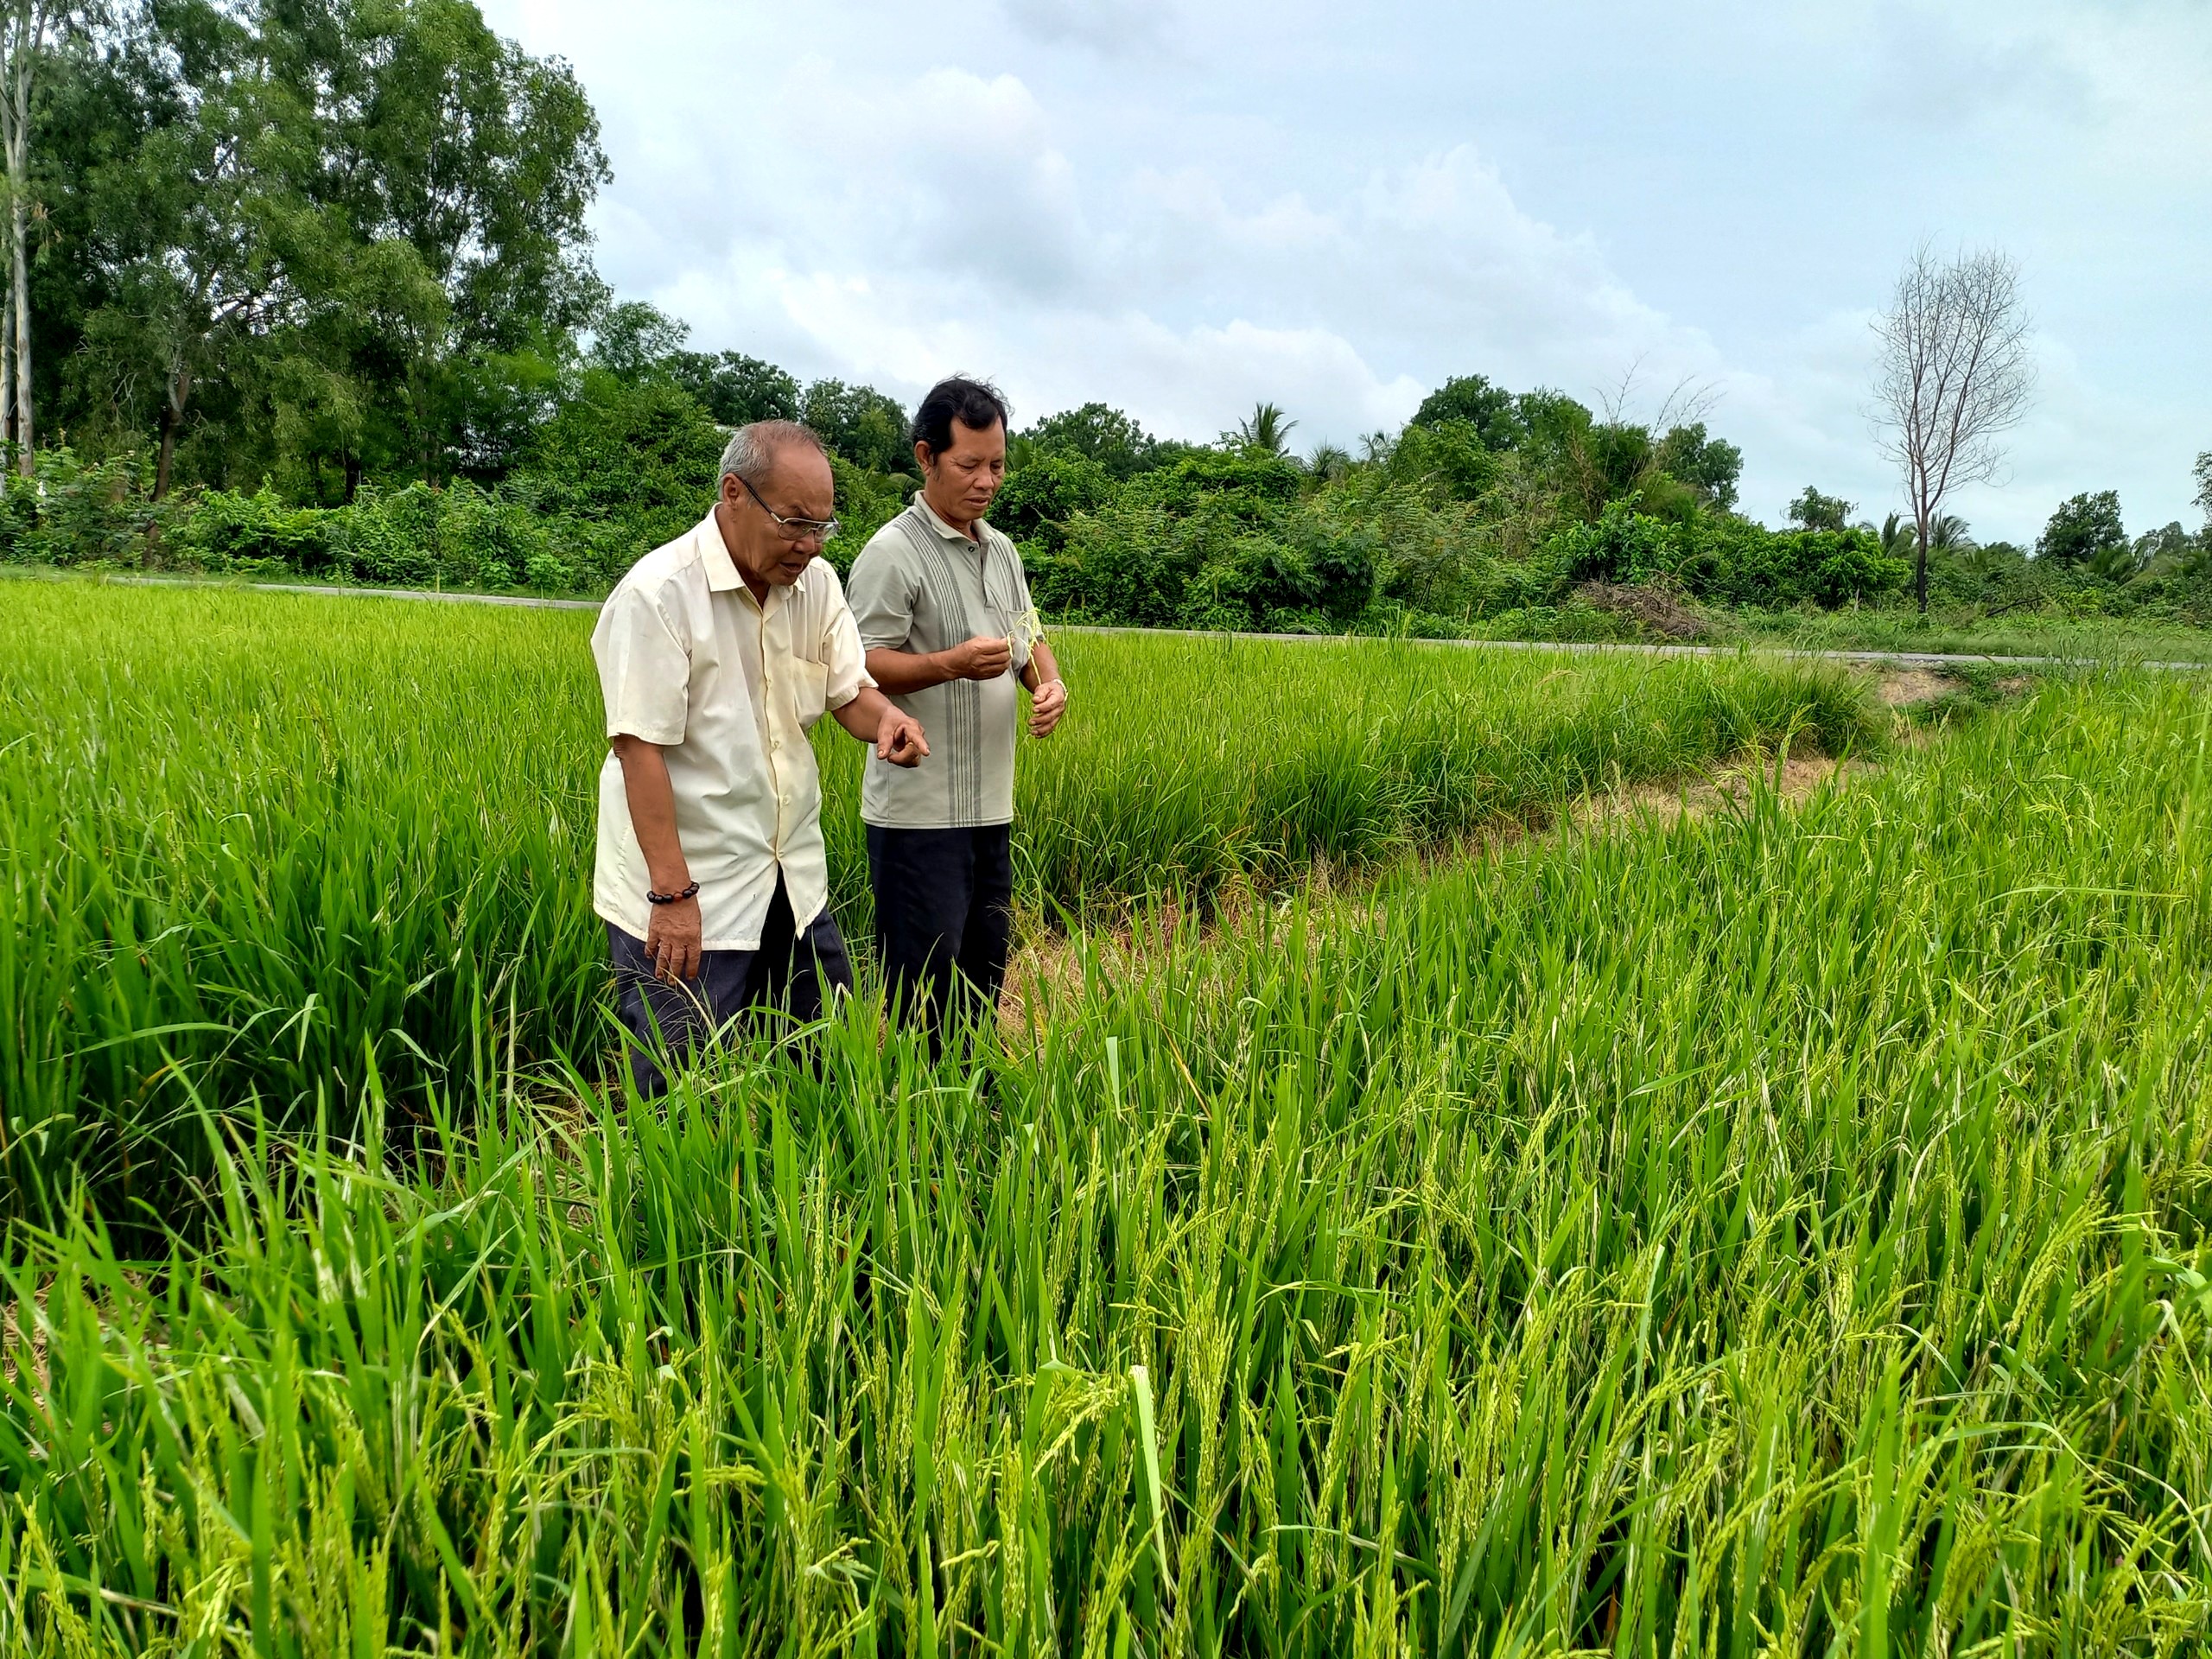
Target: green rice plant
x=257, y=848
x=1783, y=1232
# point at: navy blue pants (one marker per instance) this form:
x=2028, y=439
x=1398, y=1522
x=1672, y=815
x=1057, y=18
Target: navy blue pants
x=944, y=920
x=785, y=977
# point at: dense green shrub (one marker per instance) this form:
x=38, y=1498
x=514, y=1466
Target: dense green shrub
x=70, y=511
x=1449, y=458
x=1732, y=561
x=393, y=538
x=1124, y=563
x=1244, y=482
x=228, y=530
x=1038, y=498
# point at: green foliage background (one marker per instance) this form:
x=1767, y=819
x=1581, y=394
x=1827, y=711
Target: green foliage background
x=313, y=296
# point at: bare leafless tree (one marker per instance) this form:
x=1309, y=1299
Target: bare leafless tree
x=1956, y=374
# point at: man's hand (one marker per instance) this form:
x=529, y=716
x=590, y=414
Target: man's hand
x=672, y=936
x=1047, y=703
x=899, y=739
x=672, y=931
x=874, y=718
x=980, y=659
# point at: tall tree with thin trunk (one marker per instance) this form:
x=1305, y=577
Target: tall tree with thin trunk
x=24, y=28
x=1956, y=374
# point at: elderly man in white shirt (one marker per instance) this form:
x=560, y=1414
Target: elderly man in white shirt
x=716, y=653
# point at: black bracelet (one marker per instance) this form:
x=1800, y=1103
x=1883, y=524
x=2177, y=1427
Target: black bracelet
x=652, y=898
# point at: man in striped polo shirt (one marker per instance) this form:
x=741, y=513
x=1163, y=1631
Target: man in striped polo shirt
x=944, y=614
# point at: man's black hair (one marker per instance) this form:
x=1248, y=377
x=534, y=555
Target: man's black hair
x=974, y=403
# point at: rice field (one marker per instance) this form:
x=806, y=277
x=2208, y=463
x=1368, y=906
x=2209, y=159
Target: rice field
x=1776, y=1231
x=259, y=848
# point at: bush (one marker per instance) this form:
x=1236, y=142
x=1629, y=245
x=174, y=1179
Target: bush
x=1231, y=562
x=392, y=539
x=1730, y=560
x=1449, y=458
x=71, y=512
x=1248, y=483
x=224, y=530
x=1037, y=499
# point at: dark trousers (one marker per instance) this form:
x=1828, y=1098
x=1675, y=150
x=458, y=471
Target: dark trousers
x=944, y=920
x=785, y=977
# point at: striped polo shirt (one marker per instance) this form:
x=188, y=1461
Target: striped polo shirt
x=921, y=586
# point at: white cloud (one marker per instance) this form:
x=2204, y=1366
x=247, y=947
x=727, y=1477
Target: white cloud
x=1182, y=213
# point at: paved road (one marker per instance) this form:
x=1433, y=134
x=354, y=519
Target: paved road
x=1883, y=658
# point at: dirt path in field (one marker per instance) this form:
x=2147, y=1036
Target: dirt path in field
x=1048, y=966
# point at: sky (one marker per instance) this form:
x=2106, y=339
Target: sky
x=1182, y=208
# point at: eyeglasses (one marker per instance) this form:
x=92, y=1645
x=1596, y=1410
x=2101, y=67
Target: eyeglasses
x=794, y=530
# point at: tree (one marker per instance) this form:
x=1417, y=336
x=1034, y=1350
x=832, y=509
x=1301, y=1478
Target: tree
x=639, y=456
x=1493, y=411
x=1097, y=433
x=204, y=220
x=2168, y=549
x=737, y=390
x=1449, y=458
x=1710, y=466
x=632, y=339
x=1039, y=498
x=27, y=28
x=343, y=231
x=867, y=427
x=434, y=129
x=2084, y=532
x=1264, y=430
x=2204, y=489
x=1812, y=510
x=1896, y=535
x=1955, y=375
x=1329, y=463
x=1950, y=535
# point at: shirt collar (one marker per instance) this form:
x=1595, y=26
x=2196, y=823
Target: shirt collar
x=721, y=570
x=713, y=554
x=930, y=517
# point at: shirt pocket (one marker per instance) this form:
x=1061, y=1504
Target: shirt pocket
x=809, y=690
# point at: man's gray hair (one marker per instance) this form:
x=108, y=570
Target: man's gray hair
x=752, y=450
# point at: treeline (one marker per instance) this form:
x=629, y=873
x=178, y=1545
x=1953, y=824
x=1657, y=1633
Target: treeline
x=319, y=242
x=307, y=287
x=307, y=291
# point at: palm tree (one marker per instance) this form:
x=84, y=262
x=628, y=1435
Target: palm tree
x=1328, y=463
x=1265, y=430
x=2120, y=561
x=1895, y=536
x=1948, y=535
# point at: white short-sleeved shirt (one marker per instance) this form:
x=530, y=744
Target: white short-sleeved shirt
x=727, y=688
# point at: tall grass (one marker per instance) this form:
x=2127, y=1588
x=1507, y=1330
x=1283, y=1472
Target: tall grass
x=1783, y=1232
x=255, y=846
x=2112, y=641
